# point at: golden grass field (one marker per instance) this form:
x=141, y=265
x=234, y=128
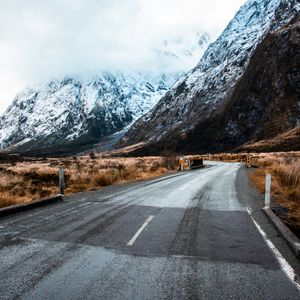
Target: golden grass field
x=285, y=171
x=22, y=182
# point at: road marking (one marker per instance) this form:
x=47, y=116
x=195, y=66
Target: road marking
x=131, y=242
x=184, y=187
x=285, y=266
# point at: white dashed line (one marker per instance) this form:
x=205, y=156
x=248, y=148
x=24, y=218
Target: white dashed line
x=184, y=187
x=285, y=266
x=131, y=242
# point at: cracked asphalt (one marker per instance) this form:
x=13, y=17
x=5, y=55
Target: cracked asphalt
x=192, y=235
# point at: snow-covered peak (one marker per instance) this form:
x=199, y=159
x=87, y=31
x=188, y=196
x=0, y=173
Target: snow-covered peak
x=67, y=109
x=225, y=60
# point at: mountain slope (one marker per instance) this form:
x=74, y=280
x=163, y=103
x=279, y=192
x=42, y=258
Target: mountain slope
x=265, y=101
x=189, y=116
x=285, y=141
x=69, y=115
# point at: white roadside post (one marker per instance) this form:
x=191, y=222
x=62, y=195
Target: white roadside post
x=61, y=181
x=268, y=191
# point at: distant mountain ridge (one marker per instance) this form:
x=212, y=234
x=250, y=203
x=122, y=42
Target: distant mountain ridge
x=193, y=115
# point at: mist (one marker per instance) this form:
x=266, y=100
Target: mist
x=41, y=40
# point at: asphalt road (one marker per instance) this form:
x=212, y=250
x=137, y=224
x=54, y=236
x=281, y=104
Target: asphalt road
x=184, y=236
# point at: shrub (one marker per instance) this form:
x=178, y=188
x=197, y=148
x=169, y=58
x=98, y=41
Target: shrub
x=92, y=155
x=288, y=175
x=154, y=167
x=104, y=179
x=171, y=162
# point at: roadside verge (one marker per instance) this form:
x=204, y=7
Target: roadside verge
x=6, y=211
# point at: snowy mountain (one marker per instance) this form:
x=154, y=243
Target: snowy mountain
x=69, y=115
x=207, y=89
x=73, y=111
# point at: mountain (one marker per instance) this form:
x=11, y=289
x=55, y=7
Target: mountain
x=265, y=102
x=70, y=115
x=78, y=113
x=244, y=88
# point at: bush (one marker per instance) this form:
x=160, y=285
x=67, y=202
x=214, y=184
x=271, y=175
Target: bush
x=7, y=201
x=172, y=163
x=104, y=179
x=92, y=155
x=288, y=175
x=170, y=160
x=154, y=167
x=41, y=177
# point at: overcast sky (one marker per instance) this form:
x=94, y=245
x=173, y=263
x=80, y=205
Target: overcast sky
x=45, y=39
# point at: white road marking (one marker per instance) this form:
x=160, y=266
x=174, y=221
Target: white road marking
x=184, y=187
x=85, y=204
x=131, y=242
x=285, y=266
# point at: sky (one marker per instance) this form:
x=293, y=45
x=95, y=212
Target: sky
x=42, y=40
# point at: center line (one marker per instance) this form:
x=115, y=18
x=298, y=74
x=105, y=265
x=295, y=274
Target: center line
x=184, y=187
x=131, y=242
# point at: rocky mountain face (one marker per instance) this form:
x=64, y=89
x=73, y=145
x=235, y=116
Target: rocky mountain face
x=245, y=87
x=265, y=101
x=70, y=115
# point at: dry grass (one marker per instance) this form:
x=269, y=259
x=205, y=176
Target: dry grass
x=285, y=170
x=26, y=181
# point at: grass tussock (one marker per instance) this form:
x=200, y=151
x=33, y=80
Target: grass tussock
x=285, y=171
x=27, y=181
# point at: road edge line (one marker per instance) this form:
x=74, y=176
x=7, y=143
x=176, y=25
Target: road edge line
x=287, y=234
x=284, y=265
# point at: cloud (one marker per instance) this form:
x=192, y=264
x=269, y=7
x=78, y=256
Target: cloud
x=41, y=40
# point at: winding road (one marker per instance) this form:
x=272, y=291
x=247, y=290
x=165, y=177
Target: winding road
x=193, y=235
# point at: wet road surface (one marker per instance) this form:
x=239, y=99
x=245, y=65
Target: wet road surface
x=184, y=236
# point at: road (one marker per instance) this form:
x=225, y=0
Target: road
x=184, y=236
